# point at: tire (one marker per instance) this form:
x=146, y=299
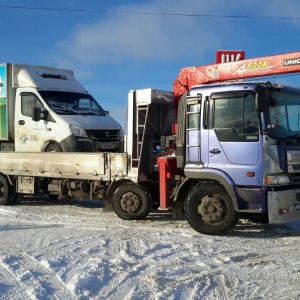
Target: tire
x=7, y=192
x=210, y=210
x=131, y=202
x=53, y=147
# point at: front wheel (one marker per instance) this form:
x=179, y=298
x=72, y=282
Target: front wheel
x=210, y=210
x=53, y=147
x=131, y=202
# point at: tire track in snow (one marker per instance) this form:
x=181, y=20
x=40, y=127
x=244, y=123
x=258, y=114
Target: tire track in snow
x=147, y=259
x=39, y=281
x=140, y=263
x=11, y=288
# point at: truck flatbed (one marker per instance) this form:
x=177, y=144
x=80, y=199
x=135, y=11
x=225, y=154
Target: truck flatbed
x=91, y=166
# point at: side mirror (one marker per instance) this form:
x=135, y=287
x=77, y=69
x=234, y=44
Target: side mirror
x=260, y=101
x=107, y=112
x=36, y=114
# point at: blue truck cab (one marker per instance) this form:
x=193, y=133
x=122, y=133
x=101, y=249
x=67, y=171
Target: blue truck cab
x=239, y=148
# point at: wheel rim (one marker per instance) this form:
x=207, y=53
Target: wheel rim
x=130, y=202
x=212, y=209
x=53, y=149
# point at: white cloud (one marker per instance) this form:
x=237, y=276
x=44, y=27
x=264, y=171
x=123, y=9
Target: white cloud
x=137, y=37
x=141, y=37
x=129, y=43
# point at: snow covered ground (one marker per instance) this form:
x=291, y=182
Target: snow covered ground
x=76, y=251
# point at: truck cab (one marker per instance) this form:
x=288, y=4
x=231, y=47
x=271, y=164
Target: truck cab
x=246, y=136
x=47, y=109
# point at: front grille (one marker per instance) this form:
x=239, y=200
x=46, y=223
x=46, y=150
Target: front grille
x=104, y=136
x=295, y=178
x=293, y=161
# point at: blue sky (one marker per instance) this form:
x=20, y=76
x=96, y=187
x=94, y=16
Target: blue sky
x=112, y=53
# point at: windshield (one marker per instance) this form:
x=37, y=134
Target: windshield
x=69, y=103
x=284, y=114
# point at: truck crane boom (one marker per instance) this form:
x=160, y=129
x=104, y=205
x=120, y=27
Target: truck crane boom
x=249, y=68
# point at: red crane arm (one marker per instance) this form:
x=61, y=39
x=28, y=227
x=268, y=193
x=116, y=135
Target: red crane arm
x=248, y=68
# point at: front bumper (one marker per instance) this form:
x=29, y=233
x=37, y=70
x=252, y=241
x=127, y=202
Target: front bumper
x=80, y=144
x=77, y=144
x=284, y=206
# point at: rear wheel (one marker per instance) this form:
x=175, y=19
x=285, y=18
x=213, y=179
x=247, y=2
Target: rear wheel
x=8, y=194
x=131, y=202
x=210, y=210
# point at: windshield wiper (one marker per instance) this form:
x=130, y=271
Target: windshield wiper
x=92, y=113
x=65, y=110
x=77, y=112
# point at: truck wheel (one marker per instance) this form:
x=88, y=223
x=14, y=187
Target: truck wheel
x=7, y=193
x=131, y=202
x=210, y=210
x=52, y=147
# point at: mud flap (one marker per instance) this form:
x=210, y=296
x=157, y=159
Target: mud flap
x=108, y=205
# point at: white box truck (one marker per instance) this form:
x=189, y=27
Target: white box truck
x=46, y=109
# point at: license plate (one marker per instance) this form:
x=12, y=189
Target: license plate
x=108, y=146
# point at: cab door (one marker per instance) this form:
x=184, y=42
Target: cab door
x=29, y=134
x=234, y=142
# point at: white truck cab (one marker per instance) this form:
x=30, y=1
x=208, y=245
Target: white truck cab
x=47, y=109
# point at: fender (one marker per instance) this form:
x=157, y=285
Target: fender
x=114, y=185
x=48, y=142
x=193, y=176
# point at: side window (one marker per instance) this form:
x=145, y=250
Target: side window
x=238, y=114
x=229, y=114
x=28, y=102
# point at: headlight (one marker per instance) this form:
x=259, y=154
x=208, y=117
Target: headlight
x=277, y=179
x=78, y=131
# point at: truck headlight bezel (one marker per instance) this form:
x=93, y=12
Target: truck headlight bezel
x=279, y=179
x=77, y=131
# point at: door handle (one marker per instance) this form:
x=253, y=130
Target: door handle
x=21, y=122
x=215, y=151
